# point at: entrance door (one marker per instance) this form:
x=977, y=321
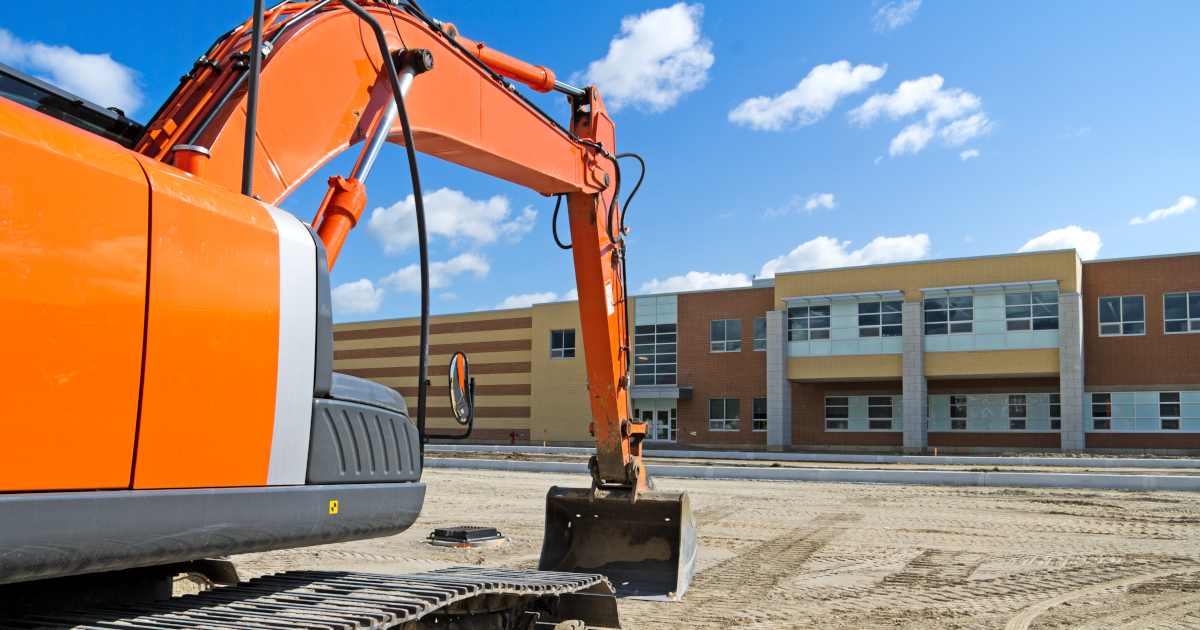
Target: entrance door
x=661, y=418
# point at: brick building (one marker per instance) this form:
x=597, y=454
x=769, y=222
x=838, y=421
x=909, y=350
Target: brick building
x=1037, y=351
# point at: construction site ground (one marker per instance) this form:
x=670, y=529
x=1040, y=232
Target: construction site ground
x=828, y=555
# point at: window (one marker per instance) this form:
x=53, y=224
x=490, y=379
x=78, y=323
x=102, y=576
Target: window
x=879, y=407
x=1016, y=412
x=1124, y=315
x=1143, y=412
x=760, y=414
x=808, y=322
x=723, y=414
x=949, y=315
x=760, y=333
x=958, y=413
x=725, y=335
x=995, y=412
x=880, y=319
x=1055, y=412
x=562, y=344
x=1101, y=412
x=1168, y=410
x=1178, y=309
x=654, y=354
x=837, y=412
x=1031, y=311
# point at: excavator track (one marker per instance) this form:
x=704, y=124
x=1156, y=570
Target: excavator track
x=341, y=600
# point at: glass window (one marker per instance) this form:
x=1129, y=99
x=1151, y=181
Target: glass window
x=808, y=322
x=723, y=414
x=1168, y=410
x=1101, y=412
x=879, y=408
x=1037, y=310
x=880, y=319
x=725, y=335
x=760, y=414
x=837, y=412
x=1055, y=412
x=562, y=344
x=1181, y=312
x=1125, y=315
x=1017, y=412
x=949, y=315
x=654, y=354
x=760, y=333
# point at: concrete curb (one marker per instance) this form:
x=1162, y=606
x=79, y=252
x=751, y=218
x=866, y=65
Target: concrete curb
x=1077, y=462
x=842, y=475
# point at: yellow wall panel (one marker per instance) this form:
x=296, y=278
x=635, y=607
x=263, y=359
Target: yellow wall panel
x=846, y=368
x=992, y=363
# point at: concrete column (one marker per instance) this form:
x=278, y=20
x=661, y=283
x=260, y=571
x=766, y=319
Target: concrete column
x=916, y=392
x=779, y=389
x=1070, y=369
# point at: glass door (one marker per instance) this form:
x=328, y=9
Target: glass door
x=661, y=418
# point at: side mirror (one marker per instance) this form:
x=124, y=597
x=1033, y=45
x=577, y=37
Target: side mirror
x=462, y=389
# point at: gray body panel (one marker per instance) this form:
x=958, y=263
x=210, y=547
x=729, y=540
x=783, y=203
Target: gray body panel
x=323, y=368
x=45, y=535
x=356, y=443
x=360, y=390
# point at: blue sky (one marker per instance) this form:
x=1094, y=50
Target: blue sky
x=779, y=135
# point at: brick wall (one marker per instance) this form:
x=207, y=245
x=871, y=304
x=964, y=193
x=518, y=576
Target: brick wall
x=741, y=375
x=1155, y=358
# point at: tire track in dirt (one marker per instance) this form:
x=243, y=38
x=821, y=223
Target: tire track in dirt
x=1026, y=616
x=1144, y=616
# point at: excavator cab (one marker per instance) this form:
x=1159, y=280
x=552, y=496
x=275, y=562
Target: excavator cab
x=646, y=548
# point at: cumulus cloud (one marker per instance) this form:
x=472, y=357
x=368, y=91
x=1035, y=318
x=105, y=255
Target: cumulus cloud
x=573, y=294
x=441, y=274
x=526, y=300
x=696, y=281
x=893, y=15
x=448, y=297
x=1071, y=237
x=659, y=56
x=356, y=298
x=452, y=215
x=810, y=100
x=968, y=154
x=1184, y=204
x=96, y=78
x=806, y=204
x=954, y=115
x=824, y=252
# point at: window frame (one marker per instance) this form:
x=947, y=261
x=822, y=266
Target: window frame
x=836, y=423
x=726, y=341
x=826, y=330
x=764, y=334
x=754, y=419
x=948, y=309
x=725, y=420
x=1031, y=319
x=1100, y=324
x=879, y=326
x=1191, y=320
x=564, y=349
x=657, y=378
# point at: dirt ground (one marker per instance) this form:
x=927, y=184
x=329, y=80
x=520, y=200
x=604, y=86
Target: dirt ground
x=821, y=555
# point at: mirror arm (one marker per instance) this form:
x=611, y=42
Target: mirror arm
x=425, y=437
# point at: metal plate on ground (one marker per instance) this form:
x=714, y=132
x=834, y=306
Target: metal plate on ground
x=349, y=601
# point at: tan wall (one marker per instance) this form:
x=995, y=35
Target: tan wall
x=992, y=363
x=561, y=411
x=846, y=367
x=498, y=345
x=911, y=277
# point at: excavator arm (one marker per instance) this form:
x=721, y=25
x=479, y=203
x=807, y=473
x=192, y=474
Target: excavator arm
x=324, y=85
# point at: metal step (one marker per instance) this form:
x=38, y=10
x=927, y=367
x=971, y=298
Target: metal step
x=342, y=600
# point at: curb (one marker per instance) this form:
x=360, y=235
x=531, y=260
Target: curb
x=841, y=475
x=1076, y=462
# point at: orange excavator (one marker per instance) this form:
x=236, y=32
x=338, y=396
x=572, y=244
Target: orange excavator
x=168, y=363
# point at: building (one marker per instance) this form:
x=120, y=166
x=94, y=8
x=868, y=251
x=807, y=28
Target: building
x=1033, y=352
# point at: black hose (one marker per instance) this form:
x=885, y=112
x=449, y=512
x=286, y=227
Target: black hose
x=554, y=223
x=422, y=240
x=252, y=100
x=629, y=199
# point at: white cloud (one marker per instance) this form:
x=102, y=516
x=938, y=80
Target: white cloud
x=1184, y=204
x=892, y=15
x=696, y=281
x=810, y=100
x=659, y=56
x=807, y=204
x=526, y=300
x=448, y=297
x=441, y=274
x=573, y=294
x=822, y=200
x=1071, y=237
x=96, y=78
x=824, y=252
x=356, y=298
x=450, y=214
x=960, y=108
x=968, y=154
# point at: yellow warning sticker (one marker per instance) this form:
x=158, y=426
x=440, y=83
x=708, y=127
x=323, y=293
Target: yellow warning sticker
x=333, y=507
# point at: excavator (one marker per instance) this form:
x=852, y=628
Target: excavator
x=170, y=396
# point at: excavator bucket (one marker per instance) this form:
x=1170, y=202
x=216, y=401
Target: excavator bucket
x=647, y=548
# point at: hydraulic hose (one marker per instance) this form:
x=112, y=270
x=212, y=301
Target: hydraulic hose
x=422, y=240
x=554, y=223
